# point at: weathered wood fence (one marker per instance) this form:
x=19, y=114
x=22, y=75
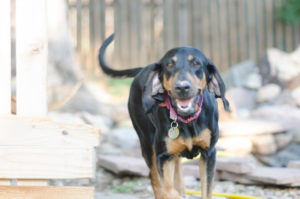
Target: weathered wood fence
x=228, y=31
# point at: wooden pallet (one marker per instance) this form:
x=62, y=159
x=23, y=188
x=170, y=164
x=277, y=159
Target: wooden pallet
x=34, y=149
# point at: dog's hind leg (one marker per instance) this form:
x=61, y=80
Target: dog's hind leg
x=178, y=179
x=207, y=170
x=155, y=178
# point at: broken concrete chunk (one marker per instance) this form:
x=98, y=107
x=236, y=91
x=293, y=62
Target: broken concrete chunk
x=124, y=165
x=240, y=178
x=296, y=95
x=268, y=93
x=281, y=158
x=264, y=144
x=239, y=146
x=277, y=176
x=251, y=127
x=294, y=164
x=283, y=139
x=235, y=165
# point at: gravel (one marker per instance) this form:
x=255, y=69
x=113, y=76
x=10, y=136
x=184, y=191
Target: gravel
x=109, y=186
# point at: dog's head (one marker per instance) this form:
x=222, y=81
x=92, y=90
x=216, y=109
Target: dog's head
x=185, y=73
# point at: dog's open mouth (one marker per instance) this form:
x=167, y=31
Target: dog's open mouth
x=184, y=104
x=186, y=107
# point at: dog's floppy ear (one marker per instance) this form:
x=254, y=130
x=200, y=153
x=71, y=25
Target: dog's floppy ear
x=216, y=84
x=153, y=90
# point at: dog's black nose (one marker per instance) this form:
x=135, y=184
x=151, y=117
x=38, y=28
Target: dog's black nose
x=182, y=86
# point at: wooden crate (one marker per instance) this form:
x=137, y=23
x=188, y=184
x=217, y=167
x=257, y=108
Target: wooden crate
x=34, y=149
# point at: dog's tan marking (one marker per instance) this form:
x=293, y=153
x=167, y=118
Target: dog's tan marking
x=168, y=171
x=203, y=177
x=169, y=185
x=178, y=145
x=174, y=59
x=190, y=57
x=203, y=139
x=155, y=177
x=196, y=107
x=163, y=187
x=204, y=84
x=195, y=80
x=178, y=179
x=168, y=83
x=199, y=83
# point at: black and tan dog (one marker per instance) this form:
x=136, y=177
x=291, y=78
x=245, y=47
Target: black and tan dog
x=173, y=109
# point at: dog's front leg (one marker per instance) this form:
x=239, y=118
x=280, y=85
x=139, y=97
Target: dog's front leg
x=178, y=178
x=207, y=170
x=167, y=168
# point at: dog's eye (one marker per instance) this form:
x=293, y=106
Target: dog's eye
x=169, y=65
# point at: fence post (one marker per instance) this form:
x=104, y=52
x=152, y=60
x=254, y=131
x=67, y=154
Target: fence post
x=31, y=57
x=5, y=58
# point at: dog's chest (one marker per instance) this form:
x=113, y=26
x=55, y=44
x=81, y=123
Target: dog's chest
x=180, y=144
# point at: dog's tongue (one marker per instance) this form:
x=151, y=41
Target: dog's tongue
x=184, y=102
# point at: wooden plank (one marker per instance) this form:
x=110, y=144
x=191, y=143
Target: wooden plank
x=30, y=182
x=152, y=30
x=5, y=182
x=31, y=57
x=22, y=192
x=183, y=23
x=26, y=131
x=118, y=37
x=24, y=182
x=79, y=26
x=5, y=58
x=139, y=36
x=40, y=162
x=124, y=41
x=133, y=33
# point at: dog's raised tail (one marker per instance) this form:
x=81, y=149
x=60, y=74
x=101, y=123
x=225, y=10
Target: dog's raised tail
x=109, y=71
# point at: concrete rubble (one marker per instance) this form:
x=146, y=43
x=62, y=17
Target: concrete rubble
x=264, y=103
x=264, y=128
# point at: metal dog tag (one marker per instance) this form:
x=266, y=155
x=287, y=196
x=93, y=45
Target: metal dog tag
x=173, y=132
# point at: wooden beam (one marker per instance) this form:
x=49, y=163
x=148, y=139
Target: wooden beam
x=39, y=162
x=5, y=58
x=24, y=182
x=27, y=131
x=31, y=57
x=30, y=182
x=17, y=192
x=5, y=182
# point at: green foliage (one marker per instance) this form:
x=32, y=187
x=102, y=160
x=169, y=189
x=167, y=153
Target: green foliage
x=126, y=188
x=119, y=87
x=289, y=12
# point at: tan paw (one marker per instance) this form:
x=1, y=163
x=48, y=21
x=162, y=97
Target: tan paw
x=172, y=194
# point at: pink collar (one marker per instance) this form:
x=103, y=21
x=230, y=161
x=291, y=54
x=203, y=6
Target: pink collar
x=169, y=106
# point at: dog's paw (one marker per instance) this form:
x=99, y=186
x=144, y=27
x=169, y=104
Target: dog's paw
x=172, y=194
